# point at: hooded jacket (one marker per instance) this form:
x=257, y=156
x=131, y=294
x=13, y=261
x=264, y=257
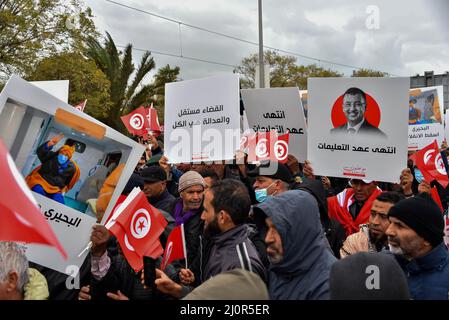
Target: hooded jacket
x=334, y=231
x=304, y=270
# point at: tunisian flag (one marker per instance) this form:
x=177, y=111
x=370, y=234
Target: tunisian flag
x=431, y=164
x=267, y=146
x=21, y=219
x=175, y=248
x=137, y=122
x=137, y=226
x=153, y=120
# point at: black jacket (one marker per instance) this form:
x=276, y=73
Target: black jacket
x=334, y=231
x=51, y=170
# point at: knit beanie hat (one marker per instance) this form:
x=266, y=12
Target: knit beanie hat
x=422, y=215
x=190, y=178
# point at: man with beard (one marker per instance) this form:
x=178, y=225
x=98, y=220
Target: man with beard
x=300, y=259
x=415, y=237
x=372, y=237
x=226, y=245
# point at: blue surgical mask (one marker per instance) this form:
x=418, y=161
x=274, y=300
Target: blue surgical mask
x=262, y=194
x=418, y=175
x=62, y=158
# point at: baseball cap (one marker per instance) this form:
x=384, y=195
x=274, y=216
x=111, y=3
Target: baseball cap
x=281, y=173
x=153, y=174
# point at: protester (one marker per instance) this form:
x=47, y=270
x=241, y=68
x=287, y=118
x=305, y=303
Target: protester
x=226, y=246
x=368, y=276
x=155, y=188
x=57, y=173
x=372, y=237
x=415, y=237
x=210, y=177
x=334, y=231
x=271, y=178
x=187, y=210
x=300, y=259
x=17, y=280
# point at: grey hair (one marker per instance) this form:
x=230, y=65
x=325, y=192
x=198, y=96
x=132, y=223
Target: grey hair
x=13, y=259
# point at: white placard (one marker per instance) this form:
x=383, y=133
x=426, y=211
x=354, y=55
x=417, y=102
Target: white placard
x=202, y=119
x=425, y=117
x=378, y=150
x=72, y=229
x=278, y=109
x=24, y=108
x=57, y=88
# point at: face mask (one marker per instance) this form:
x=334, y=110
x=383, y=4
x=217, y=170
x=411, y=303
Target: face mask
x=418, y=176
x=62, y=158
x=262, y=194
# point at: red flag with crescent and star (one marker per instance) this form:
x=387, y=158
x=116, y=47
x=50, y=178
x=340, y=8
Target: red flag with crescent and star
x=430, y=162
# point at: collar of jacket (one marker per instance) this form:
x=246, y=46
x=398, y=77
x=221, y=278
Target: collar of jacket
x=437, y=258
x=163, y=196
x=236, y=234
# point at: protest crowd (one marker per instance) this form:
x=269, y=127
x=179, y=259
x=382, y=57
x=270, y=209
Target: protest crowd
x=287, y=235
x=246, y=230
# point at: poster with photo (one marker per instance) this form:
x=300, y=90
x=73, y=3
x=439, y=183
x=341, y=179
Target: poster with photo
x=425, y=117
x=357, y=127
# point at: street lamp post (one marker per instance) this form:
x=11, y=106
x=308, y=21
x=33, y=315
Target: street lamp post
x=261, y=62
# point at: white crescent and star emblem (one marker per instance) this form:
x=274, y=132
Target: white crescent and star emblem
x=137, y=121
x=281, y=150
x=261, y=148
x=140, y=224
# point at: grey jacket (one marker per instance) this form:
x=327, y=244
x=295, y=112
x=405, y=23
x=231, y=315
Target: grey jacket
x=231, y=250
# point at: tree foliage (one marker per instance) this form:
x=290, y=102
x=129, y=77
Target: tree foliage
x=284, y=72
x=34, y=29
x=87, y=81
x=126, y=94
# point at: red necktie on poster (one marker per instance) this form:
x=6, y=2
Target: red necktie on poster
x=175, y=248
x=137, y=122
x=430, y=162
x=19, y=212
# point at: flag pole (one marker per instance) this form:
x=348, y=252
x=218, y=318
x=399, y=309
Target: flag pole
x=184, y=243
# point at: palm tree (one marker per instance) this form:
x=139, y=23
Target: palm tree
x=118, y=67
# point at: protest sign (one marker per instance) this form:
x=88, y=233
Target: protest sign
x=278, y=109
x=71, y=227
x=357, y=127
x=202, y=119
x=425, y=117
x=30, y=119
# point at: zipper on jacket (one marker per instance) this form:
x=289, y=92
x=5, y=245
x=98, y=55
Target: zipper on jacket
x=201, y=258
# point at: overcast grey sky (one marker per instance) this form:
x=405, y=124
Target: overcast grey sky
x=413, y=35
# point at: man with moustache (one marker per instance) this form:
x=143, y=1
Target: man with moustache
x=415, y=237
x=225, y=243
x=372, y=237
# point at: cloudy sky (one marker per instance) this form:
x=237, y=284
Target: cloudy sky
x=410, y=36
